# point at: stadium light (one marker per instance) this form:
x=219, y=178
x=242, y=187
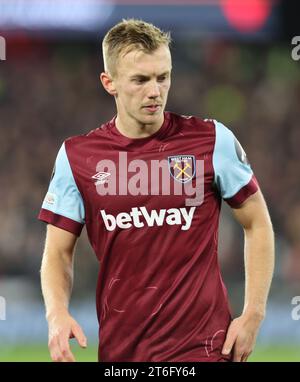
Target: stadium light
x=247, y=15
x=53, y=14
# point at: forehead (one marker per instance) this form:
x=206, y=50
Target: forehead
x=137, y=61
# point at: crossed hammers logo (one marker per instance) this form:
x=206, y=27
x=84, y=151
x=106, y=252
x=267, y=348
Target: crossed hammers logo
x=182, y=170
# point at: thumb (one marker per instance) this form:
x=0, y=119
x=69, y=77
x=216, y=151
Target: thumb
x=79, y=335
x=230, y=340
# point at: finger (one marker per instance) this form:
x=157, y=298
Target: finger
x=79, y=335
x=238, y=352
x=245, y=357
x=56, y=356
x=237, y=356
x=65, y=349
x=54, y=350
x=229, y=342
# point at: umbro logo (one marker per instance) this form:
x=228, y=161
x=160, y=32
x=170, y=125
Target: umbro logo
x=101, y=177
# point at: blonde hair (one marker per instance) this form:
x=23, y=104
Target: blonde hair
x=128, y=35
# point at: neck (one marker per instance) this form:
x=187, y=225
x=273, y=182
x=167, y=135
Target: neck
x=132, y=128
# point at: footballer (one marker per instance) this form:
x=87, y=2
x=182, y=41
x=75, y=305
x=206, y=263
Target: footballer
x=148, y=186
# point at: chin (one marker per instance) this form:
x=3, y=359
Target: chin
x=151, y=118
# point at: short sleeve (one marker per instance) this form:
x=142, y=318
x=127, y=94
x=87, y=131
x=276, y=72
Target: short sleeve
x=234, y=177
x=63, y=204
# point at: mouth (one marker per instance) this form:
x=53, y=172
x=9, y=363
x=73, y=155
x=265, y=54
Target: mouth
x=152, y=108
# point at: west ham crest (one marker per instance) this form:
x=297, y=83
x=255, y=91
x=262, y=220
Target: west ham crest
x=182, y=167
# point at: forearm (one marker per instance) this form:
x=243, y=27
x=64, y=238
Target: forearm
x=56, y=281
x=259, y=266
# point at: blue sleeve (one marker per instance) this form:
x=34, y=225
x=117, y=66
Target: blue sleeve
x=63, y=197
x=231, y=167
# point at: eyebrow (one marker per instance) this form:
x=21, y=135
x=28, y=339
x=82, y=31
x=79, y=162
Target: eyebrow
x=142, y=76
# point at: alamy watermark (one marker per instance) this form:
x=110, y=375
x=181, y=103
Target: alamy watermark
x=296, y=309
x=296, y=50
x=2, y=308
x=177, y=175
x=2, y=49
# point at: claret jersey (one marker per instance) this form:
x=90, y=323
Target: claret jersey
x=151, y=209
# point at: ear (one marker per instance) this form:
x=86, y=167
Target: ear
x=108, y=83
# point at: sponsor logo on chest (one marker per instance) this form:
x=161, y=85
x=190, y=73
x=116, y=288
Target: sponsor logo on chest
x=140, y=217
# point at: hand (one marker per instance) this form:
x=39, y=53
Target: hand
x=241, y=337
x=62, y=327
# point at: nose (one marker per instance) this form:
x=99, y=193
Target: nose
x=154, y=90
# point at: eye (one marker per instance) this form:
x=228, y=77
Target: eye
x=162, y=78
x=139, y=80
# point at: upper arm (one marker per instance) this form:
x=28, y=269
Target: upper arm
x=59, y=241
x=63, y=205
x=236, y=182
x=253, y=213
x=233, y=175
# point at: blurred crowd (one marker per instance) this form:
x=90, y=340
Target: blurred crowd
x=51, y=91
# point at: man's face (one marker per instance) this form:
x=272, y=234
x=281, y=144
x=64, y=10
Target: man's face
x=142, y=83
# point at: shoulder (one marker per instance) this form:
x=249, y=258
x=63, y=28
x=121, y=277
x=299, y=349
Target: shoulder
x=221, y=137
x=222, y=130
x=222, y=133
x=92, y=134
x=227, y=145
x=192, y=120
x=194, y=124
x=76, y=142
